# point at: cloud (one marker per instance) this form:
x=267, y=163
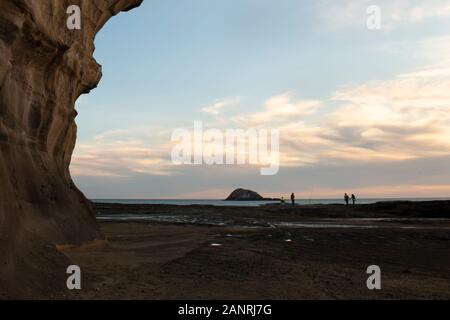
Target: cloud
x=118, y=160
x=402, y=118
x=408, y=116
x=121, y=153
x=279, y=109
x=218, y=107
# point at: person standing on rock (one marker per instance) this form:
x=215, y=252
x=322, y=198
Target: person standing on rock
x=353, y=198
x=293, y=199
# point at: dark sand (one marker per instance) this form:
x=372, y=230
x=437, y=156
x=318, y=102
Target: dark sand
x=148, y=260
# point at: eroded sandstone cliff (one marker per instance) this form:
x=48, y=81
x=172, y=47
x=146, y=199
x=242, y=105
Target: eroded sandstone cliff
x=44, y=68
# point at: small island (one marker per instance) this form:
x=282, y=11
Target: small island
x=247, y=195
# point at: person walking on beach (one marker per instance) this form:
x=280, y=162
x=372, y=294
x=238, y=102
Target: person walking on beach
x=353, y=198
x=293, y=199
x=346, y=198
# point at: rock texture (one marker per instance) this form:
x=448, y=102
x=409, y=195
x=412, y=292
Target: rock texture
x=244, y=195
x=44, y=68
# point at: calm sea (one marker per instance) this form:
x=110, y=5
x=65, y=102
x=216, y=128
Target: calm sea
x=184, y=202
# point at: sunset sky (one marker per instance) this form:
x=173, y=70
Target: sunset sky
x=361, y=111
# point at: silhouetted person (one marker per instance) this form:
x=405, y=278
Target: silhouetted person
x=346, y=198
x=293, y=199
x=353, y=198
x=282, y=200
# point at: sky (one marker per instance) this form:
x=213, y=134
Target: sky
x=359, y=110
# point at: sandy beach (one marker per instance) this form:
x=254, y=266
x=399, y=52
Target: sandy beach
x=263, y=254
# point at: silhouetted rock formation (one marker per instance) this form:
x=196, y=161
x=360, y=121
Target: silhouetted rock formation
x=44, y=68
x=244, y=195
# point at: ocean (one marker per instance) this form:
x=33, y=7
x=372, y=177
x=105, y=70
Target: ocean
x=187, y=202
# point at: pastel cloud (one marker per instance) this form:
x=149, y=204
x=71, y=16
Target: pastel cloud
x=121, y=153
x=397, y=119
x=220, y=106
x=278, y=109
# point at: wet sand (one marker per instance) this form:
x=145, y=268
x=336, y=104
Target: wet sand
x=162, y=260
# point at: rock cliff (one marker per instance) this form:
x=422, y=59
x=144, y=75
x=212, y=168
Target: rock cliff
x=44, y=68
